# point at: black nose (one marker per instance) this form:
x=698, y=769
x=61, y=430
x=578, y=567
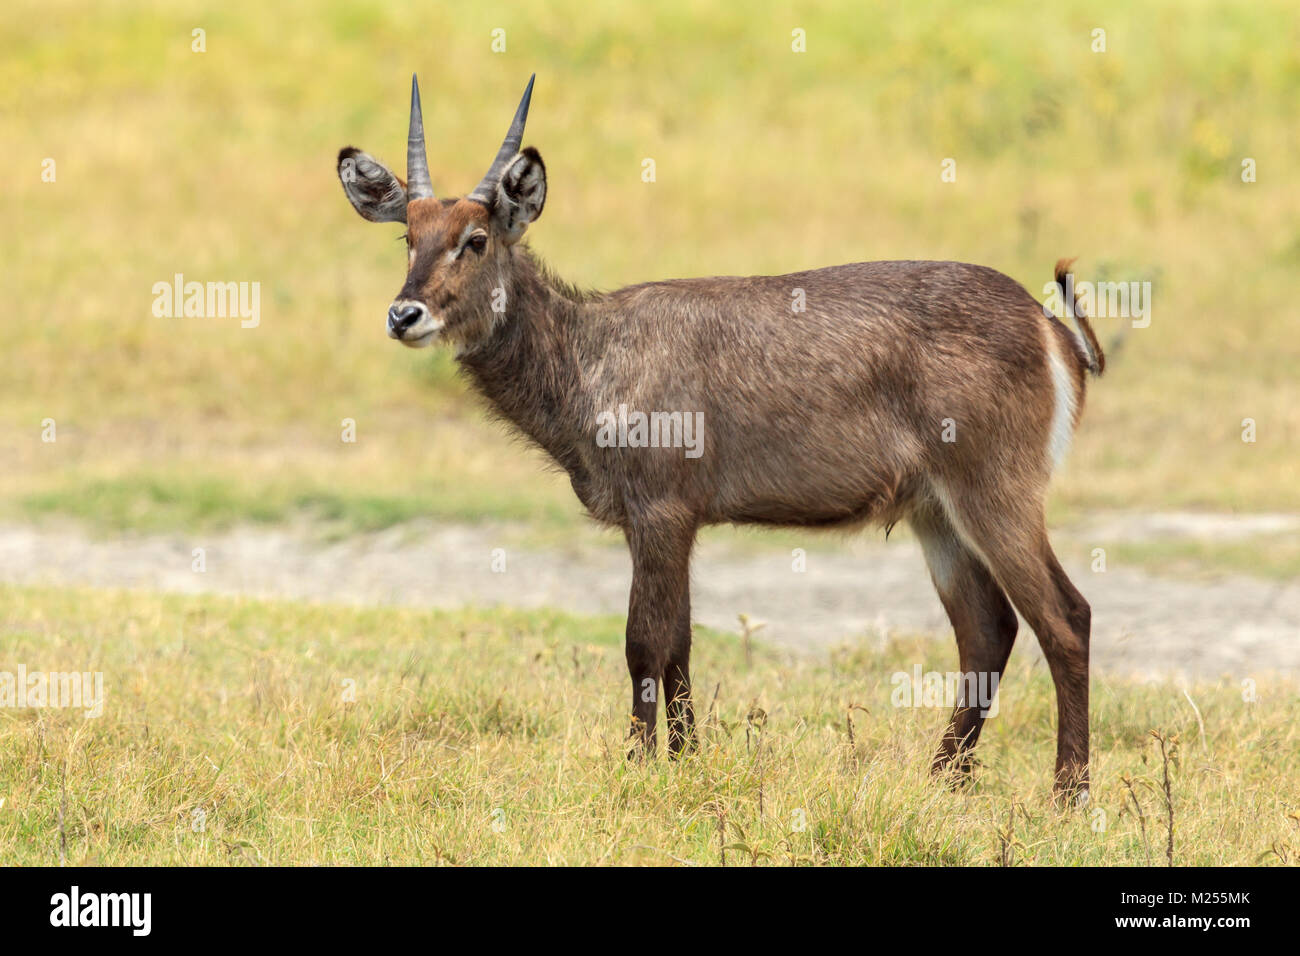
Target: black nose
x=402, y=318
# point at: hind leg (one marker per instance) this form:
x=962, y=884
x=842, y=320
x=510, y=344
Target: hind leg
x=1011, y=538
x=985, y=626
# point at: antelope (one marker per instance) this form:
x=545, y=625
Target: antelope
x=940, y=393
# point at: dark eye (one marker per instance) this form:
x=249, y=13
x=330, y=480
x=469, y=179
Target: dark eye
x=478, y=242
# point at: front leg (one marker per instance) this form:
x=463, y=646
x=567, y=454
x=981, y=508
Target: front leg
x=677, y=686
x=661, y=556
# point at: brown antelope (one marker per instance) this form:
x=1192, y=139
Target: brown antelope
x=937, y=392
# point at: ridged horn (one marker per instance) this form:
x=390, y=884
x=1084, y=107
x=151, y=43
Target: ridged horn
x=486, y=189
x=418, y=183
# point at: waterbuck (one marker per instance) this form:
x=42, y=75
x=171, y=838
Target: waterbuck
x=937, y=392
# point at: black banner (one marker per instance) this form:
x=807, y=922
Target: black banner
x=336, y=905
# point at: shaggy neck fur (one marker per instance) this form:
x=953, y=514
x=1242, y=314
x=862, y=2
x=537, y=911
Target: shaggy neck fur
x=529, y=365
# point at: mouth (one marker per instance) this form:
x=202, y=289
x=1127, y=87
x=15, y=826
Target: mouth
x=420, y=335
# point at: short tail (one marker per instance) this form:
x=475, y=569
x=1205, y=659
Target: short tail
x=1091, y=347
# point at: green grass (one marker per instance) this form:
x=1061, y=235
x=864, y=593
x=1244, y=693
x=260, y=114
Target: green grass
x=1275, y=556
x=220, y=165
x=228, y=736
x=154, y=502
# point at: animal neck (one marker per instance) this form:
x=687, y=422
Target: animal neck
x=530, y=366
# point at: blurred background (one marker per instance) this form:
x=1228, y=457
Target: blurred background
x=220, y=165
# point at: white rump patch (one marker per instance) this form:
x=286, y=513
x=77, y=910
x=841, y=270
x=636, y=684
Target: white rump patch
x=1063, y=406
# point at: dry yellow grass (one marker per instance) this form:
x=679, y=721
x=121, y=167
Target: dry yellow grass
x=228, y=736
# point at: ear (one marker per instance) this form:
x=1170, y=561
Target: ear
x=521, y=194
x=371, y=188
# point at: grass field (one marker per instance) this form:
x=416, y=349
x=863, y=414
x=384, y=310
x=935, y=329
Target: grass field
x=220, y=165
x=227, y=737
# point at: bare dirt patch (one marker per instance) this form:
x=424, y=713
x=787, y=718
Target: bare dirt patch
x=1230, y=626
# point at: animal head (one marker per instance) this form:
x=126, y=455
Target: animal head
x=458, y=250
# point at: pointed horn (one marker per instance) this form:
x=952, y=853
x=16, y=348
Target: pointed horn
x=485, y=190
x=418, y=184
